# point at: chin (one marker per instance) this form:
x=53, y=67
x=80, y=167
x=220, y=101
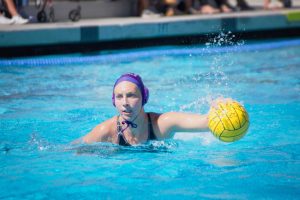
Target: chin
x=125, y=117
x=128, y=117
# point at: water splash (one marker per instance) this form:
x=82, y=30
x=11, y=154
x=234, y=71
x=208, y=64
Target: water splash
x=166, y=145
x=202, y=138
x=38, y=143
x=103, y=149
x=197, y=104
x=34, y=144
x=216, y=82
x=219, y=78
x=222, y=39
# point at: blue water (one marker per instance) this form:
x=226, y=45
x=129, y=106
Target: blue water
x=47, y=102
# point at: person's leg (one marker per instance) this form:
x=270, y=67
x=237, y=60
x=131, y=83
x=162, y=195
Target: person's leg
x=287, y=3
x=16, y=18
x=209, y=7
x=170, y=4
x=11, y=7
x=266, y=4
x=147, y=8
x=142, y=5
x=273, y=5
x=188, y=7
x=224, y=6
x=243, y=5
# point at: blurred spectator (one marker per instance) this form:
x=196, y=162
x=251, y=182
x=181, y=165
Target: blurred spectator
x=243, y=5
x=273, y=5
x=15, y=17
x=156, y=8
x=175, y=7
x=215, y=6
x=170, y=7
x=146, y=8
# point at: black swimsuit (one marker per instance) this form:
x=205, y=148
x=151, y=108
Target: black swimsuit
x=123, y=141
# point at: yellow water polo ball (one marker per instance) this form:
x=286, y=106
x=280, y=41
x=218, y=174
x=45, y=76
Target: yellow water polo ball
x=228, y=121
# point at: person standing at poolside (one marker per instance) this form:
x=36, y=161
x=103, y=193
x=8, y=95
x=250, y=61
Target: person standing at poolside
x=159, y=8
x=214, y=6
x=133, y=125
x=279, y=4
x=15, y=16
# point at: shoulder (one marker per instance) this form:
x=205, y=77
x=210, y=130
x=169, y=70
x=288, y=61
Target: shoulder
x=103, y=132
x=166, y=118
x=107, y=125
x=162, y=124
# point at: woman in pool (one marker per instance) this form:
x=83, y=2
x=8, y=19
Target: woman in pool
x=133, y=125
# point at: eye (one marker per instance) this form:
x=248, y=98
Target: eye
x=119, y=96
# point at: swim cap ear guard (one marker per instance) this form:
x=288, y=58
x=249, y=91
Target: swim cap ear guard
x=137, y=80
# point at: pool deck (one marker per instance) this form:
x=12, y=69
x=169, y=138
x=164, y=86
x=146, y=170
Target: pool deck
x=95, y=31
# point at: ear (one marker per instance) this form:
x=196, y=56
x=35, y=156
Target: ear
x=113, y=99
x=146, y=95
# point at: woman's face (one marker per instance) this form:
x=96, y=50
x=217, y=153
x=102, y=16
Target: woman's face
x=128, y=100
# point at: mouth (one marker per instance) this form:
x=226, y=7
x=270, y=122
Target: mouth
x=126, y=112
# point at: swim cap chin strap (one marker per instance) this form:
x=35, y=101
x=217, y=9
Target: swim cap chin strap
x=128, y=124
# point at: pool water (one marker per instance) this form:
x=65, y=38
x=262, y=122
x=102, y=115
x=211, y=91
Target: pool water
x=47, y=102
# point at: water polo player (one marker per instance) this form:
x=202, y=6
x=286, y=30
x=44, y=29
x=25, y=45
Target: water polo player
x=133, y=125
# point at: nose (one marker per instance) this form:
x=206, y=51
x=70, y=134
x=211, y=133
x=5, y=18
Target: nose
x=125, y=101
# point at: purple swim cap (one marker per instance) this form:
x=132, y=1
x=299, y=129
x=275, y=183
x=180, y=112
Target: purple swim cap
x=137, y=80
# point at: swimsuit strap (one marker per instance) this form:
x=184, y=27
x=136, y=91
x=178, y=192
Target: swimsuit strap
x=151, y=135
